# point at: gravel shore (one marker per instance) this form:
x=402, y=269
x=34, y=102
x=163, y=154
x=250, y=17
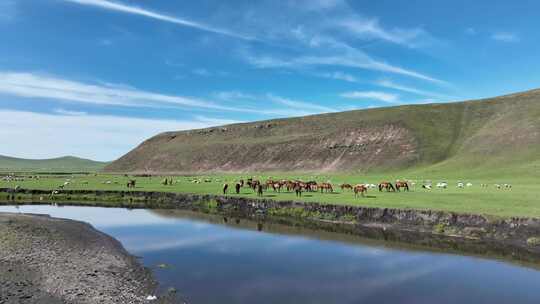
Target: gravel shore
x=50, y=260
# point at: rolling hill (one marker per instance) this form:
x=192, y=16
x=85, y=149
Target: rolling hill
x=61, y=164
x=488, y=134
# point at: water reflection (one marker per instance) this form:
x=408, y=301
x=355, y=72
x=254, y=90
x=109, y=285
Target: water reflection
x=227, y=260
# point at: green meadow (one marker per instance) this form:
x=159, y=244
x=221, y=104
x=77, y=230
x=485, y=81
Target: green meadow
x=522, y=199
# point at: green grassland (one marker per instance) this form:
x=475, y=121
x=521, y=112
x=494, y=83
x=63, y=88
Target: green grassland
x=522, y=200
x=60, y=164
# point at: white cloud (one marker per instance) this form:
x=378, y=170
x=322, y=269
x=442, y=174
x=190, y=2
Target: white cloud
x=68, y=112
x=505, y=37
x=349, y=57
x=381, y=96
x=315, y=108
x=134, y=10
x=215, y=121
x=395, y=86
x=371, y=29
x=37, y=135
x=233, y=96
x=339, y=76
x=31, y=85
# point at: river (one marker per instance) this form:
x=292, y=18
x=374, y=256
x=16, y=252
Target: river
x=209, y=259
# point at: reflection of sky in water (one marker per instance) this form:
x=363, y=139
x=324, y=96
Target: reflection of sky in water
x=219, y=264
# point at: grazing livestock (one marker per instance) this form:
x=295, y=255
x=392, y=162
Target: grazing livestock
x=426, y=186
x=346, y=186
x=225, y=188
x=298, y=189
x=326, y=187
x=259, y=190
x=460, y=185
x=237, y=187
x=400, y=184
x=360, y=188
x=386, y=185
x=468, y=184
x=131, y=183
x=442, y=185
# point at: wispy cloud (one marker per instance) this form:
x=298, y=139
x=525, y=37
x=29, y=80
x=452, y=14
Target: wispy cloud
x=395, y=86
x=381, y=96
x=338, y=76
x=505, y=37
x=354, y=59
x=233, y=96
x=300, y=104
x=215, y=121
x=68, y=112
x=31, y=85
x=207, y=73
x=371, y=29
x=135, y=10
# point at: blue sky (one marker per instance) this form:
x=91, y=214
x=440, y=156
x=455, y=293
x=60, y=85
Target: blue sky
x=94, y=78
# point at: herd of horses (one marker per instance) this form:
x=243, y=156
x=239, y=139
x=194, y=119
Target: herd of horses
x=299, y=186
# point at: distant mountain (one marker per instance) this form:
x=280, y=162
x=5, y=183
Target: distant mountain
x=61, y=164
x=489, y=133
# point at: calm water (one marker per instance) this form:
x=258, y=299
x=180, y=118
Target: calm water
x=235, y=263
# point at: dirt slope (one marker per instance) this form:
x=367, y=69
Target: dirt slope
x=473, y=133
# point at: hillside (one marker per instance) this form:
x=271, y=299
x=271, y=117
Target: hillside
x=61, y=164
x=484, y=133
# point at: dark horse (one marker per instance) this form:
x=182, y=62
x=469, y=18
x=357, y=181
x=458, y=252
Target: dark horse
x=131, y=183
x=386, y=185
x=298, y=189
x=259, y=190
x=225, y=187
x=237, y=187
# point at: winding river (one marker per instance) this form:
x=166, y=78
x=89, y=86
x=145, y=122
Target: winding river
x=211, y=259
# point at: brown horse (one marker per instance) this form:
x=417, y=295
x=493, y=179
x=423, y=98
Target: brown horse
x=237, y=187
x=311, y=186
x=386, y=185
x=360, y=188
x=327, y=187
x=346, y=186
x=400, y=184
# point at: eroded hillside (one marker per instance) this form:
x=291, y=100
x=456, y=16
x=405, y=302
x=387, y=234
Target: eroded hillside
x=382, y=139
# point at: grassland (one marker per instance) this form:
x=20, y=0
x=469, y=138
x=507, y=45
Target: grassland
x=522, y=200
x=60, y=164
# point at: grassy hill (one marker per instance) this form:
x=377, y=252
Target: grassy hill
x=489, y=134
x=61, y=164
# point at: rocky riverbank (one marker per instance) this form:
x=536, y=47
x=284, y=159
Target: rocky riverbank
x=50, y=260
